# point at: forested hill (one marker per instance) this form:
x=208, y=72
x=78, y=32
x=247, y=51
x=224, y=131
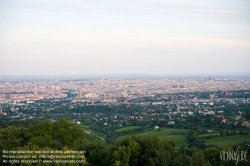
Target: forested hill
x=134, y=150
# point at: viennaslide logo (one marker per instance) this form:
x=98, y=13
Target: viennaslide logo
x=237, y=155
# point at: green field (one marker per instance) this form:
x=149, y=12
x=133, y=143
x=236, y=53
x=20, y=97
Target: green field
x=177, y=135
x=127, y=128
x=209, y=134
x=228, y=140
x=231, y=116
x=85, y=126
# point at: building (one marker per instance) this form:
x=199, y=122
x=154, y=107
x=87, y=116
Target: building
x=156, y=127
x=1, y=112
x=171, y=123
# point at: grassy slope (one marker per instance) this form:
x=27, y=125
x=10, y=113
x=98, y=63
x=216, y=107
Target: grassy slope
x=209, y=134
x=93, y=135
x=178, y=135
x=127, y=128
x=228, y=140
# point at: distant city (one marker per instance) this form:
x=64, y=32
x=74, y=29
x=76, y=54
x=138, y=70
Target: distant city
x=109, y=91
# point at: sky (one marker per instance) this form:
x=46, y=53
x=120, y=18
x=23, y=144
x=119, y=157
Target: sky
x=98, y=37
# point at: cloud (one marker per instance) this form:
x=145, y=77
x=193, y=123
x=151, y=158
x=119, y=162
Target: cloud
x=192, y=6
x=177, y=4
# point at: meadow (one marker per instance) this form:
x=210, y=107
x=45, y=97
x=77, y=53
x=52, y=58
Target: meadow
x=127, y=128
x=232, y=140
x=177, y=135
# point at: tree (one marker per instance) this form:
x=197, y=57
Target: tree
x=10, y=137
x=194, y=141
x=56, y=134
x=137, y=150
x=122, y=156
x=127, y=155
x=155, y=151
x=182, y=160
x=198, y=159
x=213, y=155
x=97, y=153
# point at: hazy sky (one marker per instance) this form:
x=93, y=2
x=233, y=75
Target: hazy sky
x=85, y=37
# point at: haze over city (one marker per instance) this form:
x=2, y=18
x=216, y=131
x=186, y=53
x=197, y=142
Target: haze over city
x=124, y=37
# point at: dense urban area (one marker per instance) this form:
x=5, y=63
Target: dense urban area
x=191, y=114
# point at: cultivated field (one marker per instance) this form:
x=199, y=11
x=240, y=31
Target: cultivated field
x=228, y=140
x=127, y=128
x=177, y=135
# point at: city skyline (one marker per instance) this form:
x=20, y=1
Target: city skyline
x=129, y=37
